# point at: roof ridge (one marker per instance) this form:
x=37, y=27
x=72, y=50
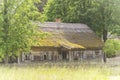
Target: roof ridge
x=62, y=25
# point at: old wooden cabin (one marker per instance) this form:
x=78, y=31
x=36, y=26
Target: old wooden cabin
x=66, y=41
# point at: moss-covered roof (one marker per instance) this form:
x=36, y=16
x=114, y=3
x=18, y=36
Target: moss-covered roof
x=69, y=35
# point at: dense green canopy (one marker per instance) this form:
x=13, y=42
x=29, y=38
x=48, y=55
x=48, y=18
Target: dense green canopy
x=100, y=15
x=17, y=29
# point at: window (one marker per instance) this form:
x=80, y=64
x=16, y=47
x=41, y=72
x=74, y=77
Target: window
x=97, y=52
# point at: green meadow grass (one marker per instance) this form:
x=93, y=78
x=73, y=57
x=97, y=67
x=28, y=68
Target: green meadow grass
x=84, y=72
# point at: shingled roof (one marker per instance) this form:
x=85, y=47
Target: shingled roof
x=69, y=35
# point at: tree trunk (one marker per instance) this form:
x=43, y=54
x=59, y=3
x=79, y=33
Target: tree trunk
x=104, y=38
x=18, y=60
x=104, y=57
x=5, y=30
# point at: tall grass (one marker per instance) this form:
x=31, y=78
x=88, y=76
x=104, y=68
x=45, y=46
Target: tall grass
x=54, y=73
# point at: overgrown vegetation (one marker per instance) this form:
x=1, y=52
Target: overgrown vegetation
x=112, y=47
x=54, y=73
x=17, y=28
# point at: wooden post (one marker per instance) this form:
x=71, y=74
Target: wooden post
x=70, y=56
x=32, y=57
x=23, y=57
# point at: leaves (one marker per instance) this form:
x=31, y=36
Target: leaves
x=98, y=14
x=112, y=46
x=17, y=29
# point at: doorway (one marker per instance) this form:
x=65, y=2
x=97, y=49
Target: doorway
x=45, y=57
x=64, y=55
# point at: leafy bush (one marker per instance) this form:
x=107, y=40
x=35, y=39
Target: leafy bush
x=112, y=46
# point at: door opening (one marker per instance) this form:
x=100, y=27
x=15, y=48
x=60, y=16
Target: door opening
x=64, y=55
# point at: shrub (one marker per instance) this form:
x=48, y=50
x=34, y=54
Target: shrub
x=112, y=46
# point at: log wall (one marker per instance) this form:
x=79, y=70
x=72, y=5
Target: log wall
x=57, y=55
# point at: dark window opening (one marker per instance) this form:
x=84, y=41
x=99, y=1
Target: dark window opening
x=64, y=55
x=27, y=57
x=45, y=57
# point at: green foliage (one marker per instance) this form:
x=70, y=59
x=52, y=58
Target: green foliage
x=98, y=14
x=41, y=5
x=17, y=29
x=112, y=47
